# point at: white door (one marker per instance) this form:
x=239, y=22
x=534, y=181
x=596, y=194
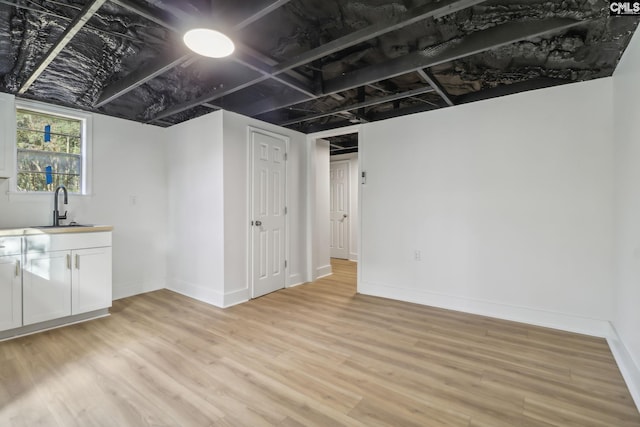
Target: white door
x=46, y=289
x=268, y=213
x=339, y=209
x=10, y=292
x=91, y=280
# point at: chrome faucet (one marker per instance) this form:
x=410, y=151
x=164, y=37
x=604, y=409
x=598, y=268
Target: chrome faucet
x=56, y=214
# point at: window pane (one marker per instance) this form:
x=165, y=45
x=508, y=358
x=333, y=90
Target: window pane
x=49, y=152
x=58, y=125
x=35, y=181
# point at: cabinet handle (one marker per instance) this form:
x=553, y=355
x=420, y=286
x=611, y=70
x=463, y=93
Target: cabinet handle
x=17, y=268
x=68, y=261
x=77, y=262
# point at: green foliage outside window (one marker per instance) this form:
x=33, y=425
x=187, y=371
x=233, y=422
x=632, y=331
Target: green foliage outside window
x=62, y=152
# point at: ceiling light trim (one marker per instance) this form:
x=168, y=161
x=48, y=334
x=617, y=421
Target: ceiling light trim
x=209, y=43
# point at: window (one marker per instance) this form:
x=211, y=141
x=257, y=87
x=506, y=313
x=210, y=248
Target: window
x=51, y=150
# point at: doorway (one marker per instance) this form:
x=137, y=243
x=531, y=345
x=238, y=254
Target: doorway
x=334, y=199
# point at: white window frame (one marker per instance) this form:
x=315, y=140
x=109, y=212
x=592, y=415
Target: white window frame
x=87, y=143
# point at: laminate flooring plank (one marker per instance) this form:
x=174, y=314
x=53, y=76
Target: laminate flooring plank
x=314, y=355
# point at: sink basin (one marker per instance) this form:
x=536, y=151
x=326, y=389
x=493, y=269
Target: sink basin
x=63, y=226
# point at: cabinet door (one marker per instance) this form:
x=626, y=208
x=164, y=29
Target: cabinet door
x=46, y=289
x=10, y=292
x=91, y=280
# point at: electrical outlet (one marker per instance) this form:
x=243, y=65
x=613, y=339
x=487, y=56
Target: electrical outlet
x=417, y=255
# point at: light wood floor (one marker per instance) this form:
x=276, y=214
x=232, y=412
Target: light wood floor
x=314, y=355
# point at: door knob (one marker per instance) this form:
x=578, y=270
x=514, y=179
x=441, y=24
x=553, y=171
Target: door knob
x=258, y=223
x=344, y=215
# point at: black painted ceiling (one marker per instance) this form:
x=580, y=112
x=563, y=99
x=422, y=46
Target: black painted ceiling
x=305, y=64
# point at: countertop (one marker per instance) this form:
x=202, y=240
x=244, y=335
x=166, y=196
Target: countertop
x=32, y=231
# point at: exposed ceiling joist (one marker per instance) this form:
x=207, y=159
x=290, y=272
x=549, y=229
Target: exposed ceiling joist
x=161, y=66
x=245, y=58
x=421, y=13
x=431, y=80
x=364, y=104
x=376, y=30
x=480, y=41
x=146, y=14
x=138, y=78
x=264, y=8
x=76, y=25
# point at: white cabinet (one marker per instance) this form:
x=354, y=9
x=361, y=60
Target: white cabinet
x=46, y=286
x=66, y=275
x=10, y=283
x=7, y=134
x=91, y=287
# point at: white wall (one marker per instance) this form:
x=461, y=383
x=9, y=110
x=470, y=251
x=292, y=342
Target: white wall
x=129, y=192
x=509, y=202
x=321, y=218
x=196, y=214
x=236, y=204
x=354, y=183
x=626, y=345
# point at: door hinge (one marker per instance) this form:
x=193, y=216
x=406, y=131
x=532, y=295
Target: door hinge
x=286, y=156
x=252, y=223
x=285, y=263
x=285, y=210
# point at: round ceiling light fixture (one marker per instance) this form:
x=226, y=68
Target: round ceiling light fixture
x=209, y=43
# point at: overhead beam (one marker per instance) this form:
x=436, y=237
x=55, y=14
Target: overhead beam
x=364, y=104
x=477, y=42
x=138, y=77
x=149, y=72
x=431, y=80
x=376, y=30
x=265, y=8
x=146, y=14
x=442, y=8
x=76, y=25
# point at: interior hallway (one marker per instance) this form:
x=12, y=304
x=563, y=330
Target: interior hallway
x=313, y=355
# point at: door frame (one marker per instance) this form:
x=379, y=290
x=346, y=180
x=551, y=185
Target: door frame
x=311, y=141
x=250, y=249
x=348, y=192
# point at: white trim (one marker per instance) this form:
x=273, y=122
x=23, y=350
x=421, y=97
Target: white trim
x=125, y=290
x=196, y=292
x=547, y=319
x=628, y=368
x=236, y=297
x=294, y=280
x=323, y=271
x=87, y=142
x=336, y=132
x=353, y=257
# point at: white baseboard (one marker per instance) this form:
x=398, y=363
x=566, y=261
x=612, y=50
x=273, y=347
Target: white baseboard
x=294, y=279
x=353, y=257
x=630, y=371
x=198, y=292
x=532, y=316
x=124, y=290
x=236, y=297
x=323, y=271
x=293, y=285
